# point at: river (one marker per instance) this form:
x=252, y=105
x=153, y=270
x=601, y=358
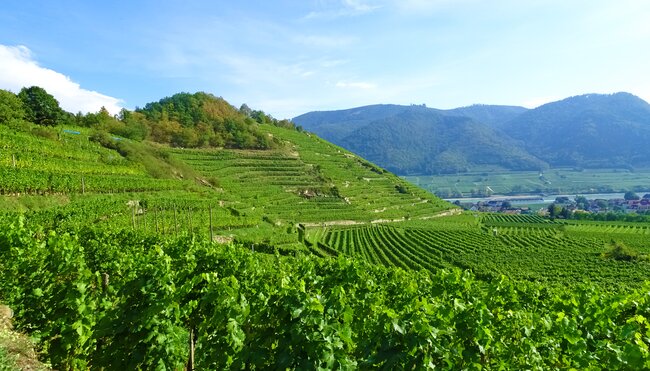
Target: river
x=537, y=199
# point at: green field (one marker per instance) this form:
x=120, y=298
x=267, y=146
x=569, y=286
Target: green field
x=553, y=181
x=302, y=256
x=523, y=247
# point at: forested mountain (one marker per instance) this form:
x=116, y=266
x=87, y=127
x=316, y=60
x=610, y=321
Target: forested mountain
x=417, y=141
x=591, y=130
x=588, y=131
x=492, y=115
x=336, y=125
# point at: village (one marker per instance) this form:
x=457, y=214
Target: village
x=562, y=206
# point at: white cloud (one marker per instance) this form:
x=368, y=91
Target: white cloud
x=324, y=41
x=356, y=85
x=344, y=8
x=360, y=6
x=18, y=69
x=428, y=7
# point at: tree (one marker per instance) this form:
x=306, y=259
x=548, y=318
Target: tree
x=40, y=107
x=554, y=210
x=565, y=213
x=11, y=107
x=630, y=195
x=100, y=119
x=581, y=202
x=245, y=110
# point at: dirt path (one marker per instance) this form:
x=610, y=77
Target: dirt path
x=331, y=223
x=442, y=214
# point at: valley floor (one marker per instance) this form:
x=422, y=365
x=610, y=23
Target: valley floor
x=552, y=181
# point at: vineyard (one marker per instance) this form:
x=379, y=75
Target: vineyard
x=256, y=197
x=519, y=246
x=135, y=301
x=114, y=254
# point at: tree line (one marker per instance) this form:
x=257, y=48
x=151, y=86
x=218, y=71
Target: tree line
x=185, y=120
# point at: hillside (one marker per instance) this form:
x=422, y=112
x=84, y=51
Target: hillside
x=588, y=131
x=254, y=195
x=127, y=253
x=337, y=125
x=492, y=115
x=420, y=140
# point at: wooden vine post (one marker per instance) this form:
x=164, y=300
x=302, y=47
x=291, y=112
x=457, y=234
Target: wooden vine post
x=155, y=218
x=211, y=233
x=175, y=223
x=133, y=216
x=190, y=361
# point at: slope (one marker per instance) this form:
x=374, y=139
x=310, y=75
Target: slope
x=336, y=125
x=492, y=115
x=67, y=177
x=587, y=131
x=592, y=130
x=421, y=140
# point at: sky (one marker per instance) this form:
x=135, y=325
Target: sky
x=288, y=57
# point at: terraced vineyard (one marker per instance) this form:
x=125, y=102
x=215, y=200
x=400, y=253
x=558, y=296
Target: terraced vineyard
x=68, y=163
x=310, y=181
x=262, y=199
x=255, y=197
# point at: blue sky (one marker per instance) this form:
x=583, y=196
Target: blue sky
x=289, y=57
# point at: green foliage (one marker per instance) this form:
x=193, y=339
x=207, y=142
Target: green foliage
x=6, y=363
x=201, y=120
x=618, y=251
x=183, y=120
x=631, y=195
x=11, y=107
x=556, y=253
x=40, y=107
x=590, y=131
x=257, y=311
x=156, y=161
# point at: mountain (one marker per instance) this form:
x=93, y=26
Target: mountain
x=420, y=140
x=336, y=125
x=592, y=130
x=492, y=115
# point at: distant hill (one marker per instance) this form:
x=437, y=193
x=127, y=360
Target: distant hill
x=593, y=130
x=418, y=141
x=492, y=115
x=421, y=140
x=336, y=125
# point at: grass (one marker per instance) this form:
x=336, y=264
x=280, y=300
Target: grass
x=32, y=202
x=16, y=350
